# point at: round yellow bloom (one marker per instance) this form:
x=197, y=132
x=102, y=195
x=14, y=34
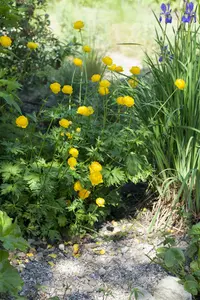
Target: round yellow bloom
x=180, y=84
x=102, y=251
x=78, y=129
x=119, y=69
x=74, y=152
x=95, y=77
x=100, y=202
x=104, y=83
x=78, y=62
x=128, y=101
x=95, y=167
x=78, y=25
x=69, y=135
x=135, y=70
x=86, y=48
x=5, y=41
x=55, y=87
x=107, y=60
x=112, y=67
x=85, y=111
x=72, y=162
x=75, y=248
x=32, y=45
x=120, y=100
x=133, y=82
x=67, y=89
x=77, y=186
x=103, y=91
x=64, y=123
x=21, y=121
x=83, y=194
x=96, y=178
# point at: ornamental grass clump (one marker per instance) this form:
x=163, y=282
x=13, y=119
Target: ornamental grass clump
x=169, y=108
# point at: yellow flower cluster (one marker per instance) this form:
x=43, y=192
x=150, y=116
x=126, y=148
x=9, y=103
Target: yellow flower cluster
x=95, y=173
x=116, y=68
x=21, y=121
x=72, y=162
x=82, y=193
x=126, y=100
x=73, y=152
x=103, y=87
x=56, y=88
x=5, y=41
x=32, y=45
x=85, y=110
x=65, y=123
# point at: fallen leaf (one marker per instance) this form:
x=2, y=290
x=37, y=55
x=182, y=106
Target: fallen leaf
x=51, y=263
x=53, y=255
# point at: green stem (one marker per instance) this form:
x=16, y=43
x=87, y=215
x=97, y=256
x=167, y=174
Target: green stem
x=46, y=133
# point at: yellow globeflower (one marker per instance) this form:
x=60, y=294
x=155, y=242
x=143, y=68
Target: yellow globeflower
x=72, y=162
x=78, y=25
x=104, y=83
x=83, y=194
x=5, y=41
x=120, y=100
x=119, y=69
x=67, y=89
x=103, y=91
x=64, y=123
x=78, y=129
x=21, y=121
x=180, y=84
x=95, y=167
x=82, y=110
x=95, y=77
x=74, y=152
x=77, y=186
x=135, y=70
x=128, y=101
x=86, y=48
x=32, y=45
x=55, y=87
x=112, y=67
x=69, y=135
x=100, y=202
x=133, y=82
x=107, y=60
x=78, y=62
x=96, y=178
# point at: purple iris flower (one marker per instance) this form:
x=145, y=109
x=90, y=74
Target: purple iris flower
x=165, y=53
x=189, y=14
x=166, y=12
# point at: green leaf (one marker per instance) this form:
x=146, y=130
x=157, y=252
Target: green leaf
x=62, y=221
x=194, y=266
x=173, y=256
x=195, y=230
x=10, y=280
x=191, y=286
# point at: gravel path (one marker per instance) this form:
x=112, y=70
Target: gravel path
x=51, y=271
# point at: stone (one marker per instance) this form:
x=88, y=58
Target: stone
x=144, y=295
x=102, y=271
x=61, y=247
x=170, y=288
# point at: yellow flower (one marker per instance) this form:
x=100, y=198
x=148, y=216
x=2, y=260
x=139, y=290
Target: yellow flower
x=180, y=84
x=102, y=252
x=100, y=202
x=112, y=67
x=73, y=152
x=72, y=162
x=104, y=83
x=69, y=135
x=83, y=194
x=64, y=123
x=29, y=254
x=32, y=45
x=21, y=121
x=55, y=87
x=95, y=178
x=86, y=48
x=62, y=134
x=119, y=69
x=128, y=101
x=95, y=77
x=78, y=129
x=67, y=89
x=75, y=248
x=95, y=167
x=103, y=91
x=120, y=100
x=135, y=70
x=5, y=41
x=133, y=82
x=77, y=186
x=107, y=60
x=90, y=110
x=78, y=25
x=78, y=62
